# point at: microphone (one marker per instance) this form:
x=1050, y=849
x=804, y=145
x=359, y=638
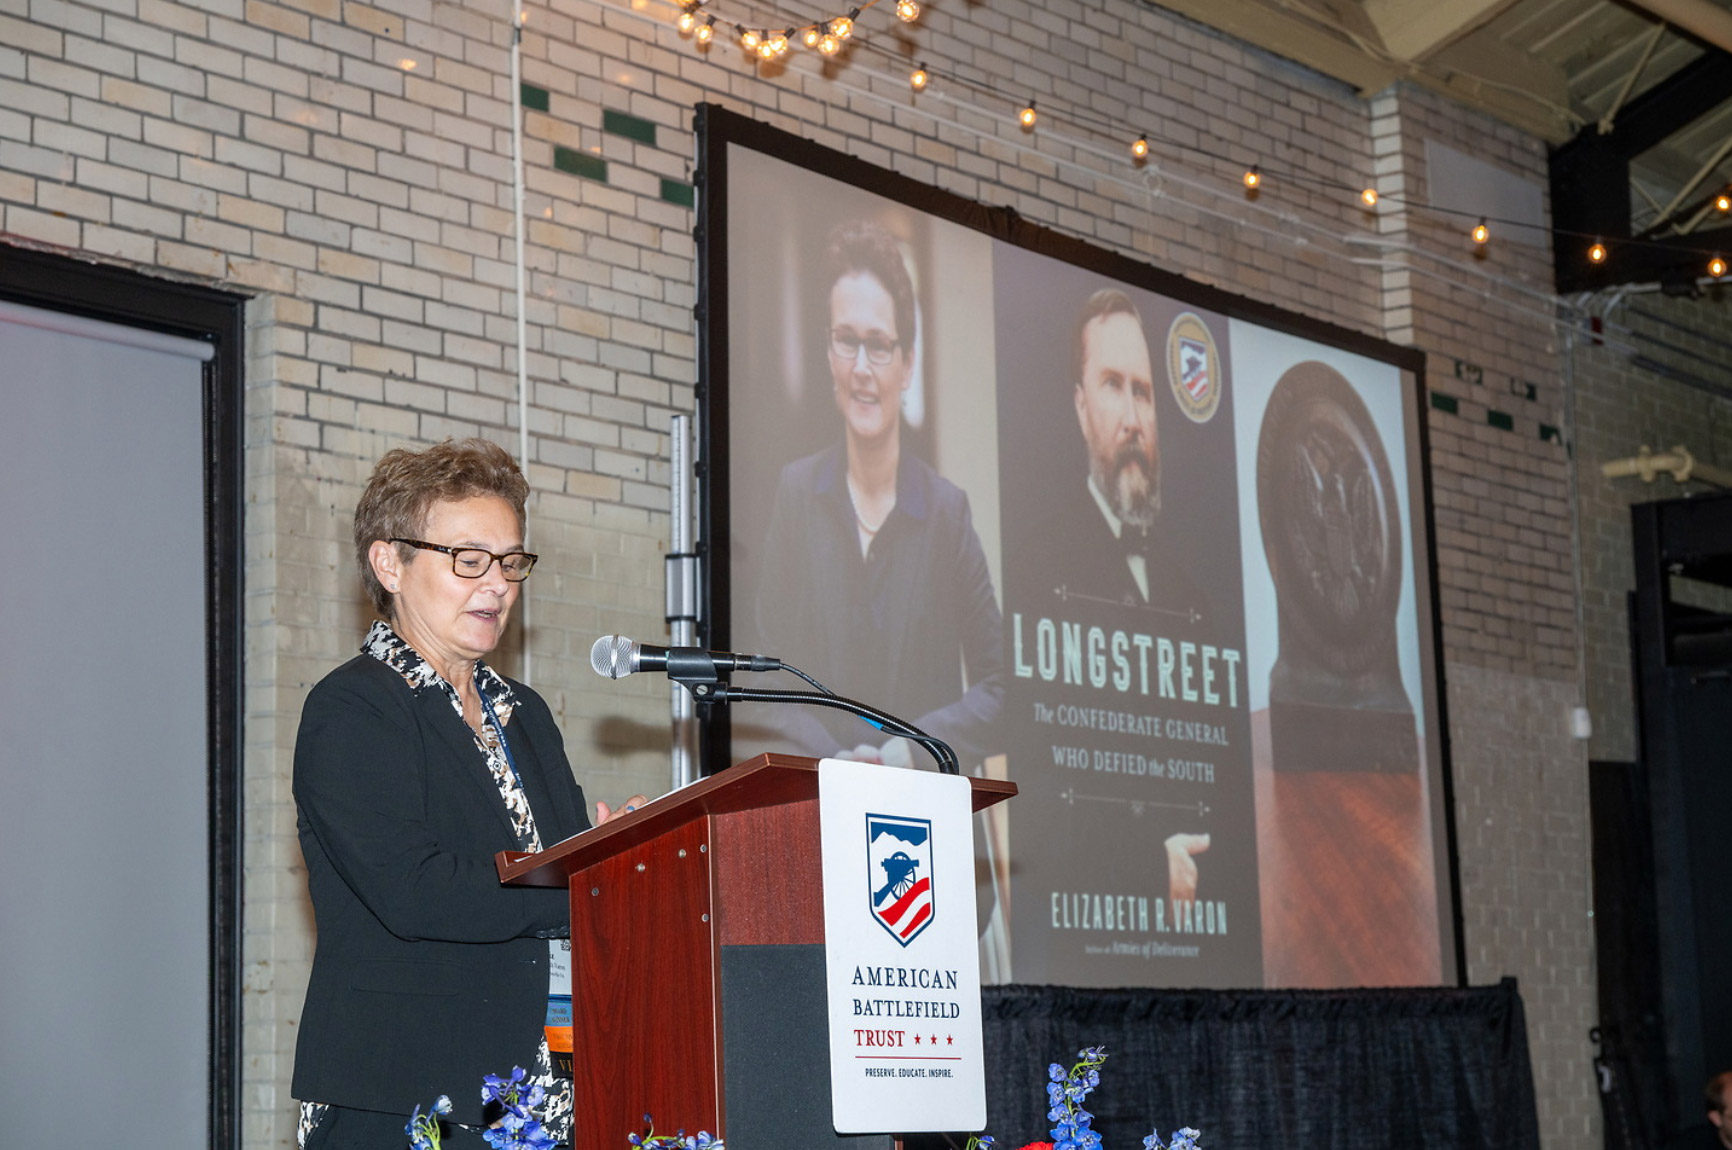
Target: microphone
x=615, y=656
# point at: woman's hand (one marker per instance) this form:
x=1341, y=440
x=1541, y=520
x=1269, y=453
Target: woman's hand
x=603, y=812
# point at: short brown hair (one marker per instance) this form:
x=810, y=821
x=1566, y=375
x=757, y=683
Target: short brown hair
x=861, y=246
x=405, y=486
x=1100, y=305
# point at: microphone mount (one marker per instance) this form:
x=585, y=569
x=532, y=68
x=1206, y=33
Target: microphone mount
x=703, y=674
x=714, y=691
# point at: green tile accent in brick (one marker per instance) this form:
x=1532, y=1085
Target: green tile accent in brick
x=1551, y=434
x=580, y=164
x=1445, y=403
x=534, y=98
x=632, y=127
x=1500, y=420
x=675, y=192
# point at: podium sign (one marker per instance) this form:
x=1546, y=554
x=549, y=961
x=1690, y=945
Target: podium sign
x=902, y=956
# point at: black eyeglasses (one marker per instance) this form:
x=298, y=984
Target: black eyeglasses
x=474, y=562
x=845, y=345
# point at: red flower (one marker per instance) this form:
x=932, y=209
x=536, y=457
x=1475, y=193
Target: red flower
x=1038, y=1146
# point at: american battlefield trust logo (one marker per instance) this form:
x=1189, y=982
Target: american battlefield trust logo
x=899, y=874
x=1194, y=367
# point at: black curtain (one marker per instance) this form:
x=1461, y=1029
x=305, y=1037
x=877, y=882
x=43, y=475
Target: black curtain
x=1322, y=1070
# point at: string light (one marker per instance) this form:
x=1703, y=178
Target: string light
x=828, y=37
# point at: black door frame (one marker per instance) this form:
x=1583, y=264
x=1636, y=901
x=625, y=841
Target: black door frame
x=118, y=295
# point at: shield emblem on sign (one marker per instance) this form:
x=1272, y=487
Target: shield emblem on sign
x=899, y=874
x=1194, y=368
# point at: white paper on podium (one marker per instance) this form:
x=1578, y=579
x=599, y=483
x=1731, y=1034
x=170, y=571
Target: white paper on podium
x=901, y=950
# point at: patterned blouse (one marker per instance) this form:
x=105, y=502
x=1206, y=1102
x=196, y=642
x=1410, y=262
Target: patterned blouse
x=384, y=644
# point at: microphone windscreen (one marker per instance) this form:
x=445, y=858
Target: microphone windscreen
x=611, y=656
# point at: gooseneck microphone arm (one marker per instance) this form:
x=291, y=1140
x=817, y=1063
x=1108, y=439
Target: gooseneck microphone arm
x=700, y=672
x=717, y=692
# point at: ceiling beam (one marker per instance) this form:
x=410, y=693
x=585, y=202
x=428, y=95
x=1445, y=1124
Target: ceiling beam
x=1292, y=37
x=1590, y=179
x=1700, y=18
x=1414, y=29
x=1486, y=65
x=1680, y=99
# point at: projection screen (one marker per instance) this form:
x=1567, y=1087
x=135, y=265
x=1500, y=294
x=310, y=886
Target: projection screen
x=1159, y=554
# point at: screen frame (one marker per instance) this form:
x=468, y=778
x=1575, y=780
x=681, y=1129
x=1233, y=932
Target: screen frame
x=717, y=128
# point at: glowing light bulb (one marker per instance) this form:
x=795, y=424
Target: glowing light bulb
x=907, y=11
x=917, y=79
x=829, y=44
x=1253, y=177
x=1597, y=253
x=779, y=42
x=811, y=36
x=1716, y=267
x=707, y=31
x=1141, y=147
x=1481, y=233
x=1723, y=202
x=687, y=21
x=1028, y=115
x=766, y=50
x=1369, y=196
x=749, y=39
x=842, y=27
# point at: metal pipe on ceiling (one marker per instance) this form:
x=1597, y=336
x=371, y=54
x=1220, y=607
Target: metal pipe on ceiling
x=1680, y=463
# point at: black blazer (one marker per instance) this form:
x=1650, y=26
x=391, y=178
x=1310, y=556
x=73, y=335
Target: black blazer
x=428, y=973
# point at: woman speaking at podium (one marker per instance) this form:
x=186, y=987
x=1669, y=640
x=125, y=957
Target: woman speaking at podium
x=415, y=763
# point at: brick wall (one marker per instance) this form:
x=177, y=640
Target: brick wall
x=1500, y=478
x=350, y=166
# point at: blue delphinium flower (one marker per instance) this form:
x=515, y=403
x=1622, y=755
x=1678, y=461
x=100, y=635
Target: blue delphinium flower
x=679, y=1141
x=503, y=1090
x=423, y=1129
x=517, y=1128
x=1072, y=1129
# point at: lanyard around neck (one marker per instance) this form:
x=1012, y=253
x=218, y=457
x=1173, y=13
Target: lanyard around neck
x=504, y=743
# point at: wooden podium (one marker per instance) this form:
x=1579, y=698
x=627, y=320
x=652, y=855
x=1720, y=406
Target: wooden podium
x=697, y=926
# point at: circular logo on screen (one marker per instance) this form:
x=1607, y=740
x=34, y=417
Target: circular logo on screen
x=1194, y=367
